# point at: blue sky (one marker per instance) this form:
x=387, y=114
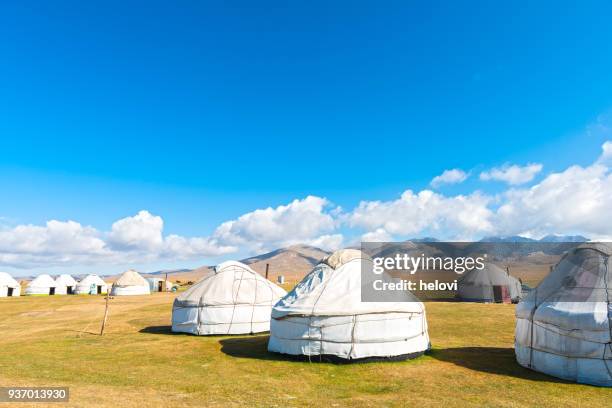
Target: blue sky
x=200, y=112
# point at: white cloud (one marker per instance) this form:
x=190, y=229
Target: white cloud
x=301, y=221
x=512, y=174
x=378, y=235
x=134, y=239
x=577, y=200
x=606, y=154
x=142, y=231
x=453, y=176
x=425, y=212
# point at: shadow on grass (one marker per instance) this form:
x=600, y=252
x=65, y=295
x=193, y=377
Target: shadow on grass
x=255, y=347
x=492, y=360
x=158, y=330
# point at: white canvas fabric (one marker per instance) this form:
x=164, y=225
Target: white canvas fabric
x=130, y=283
x=65, y=284
x=476, y=285
x=563, y=326
x=232, y=299
x=42, y=285
x=8, y=285
x=324, y=316
x=91, y=285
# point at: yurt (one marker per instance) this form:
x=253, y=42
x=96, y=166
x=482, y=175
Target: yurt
x=323, y=317
x=130, y=283
x=159, y=285
x=42, y=285
x=232, y=299
x=65, y=285
x=91, y=285
x=564, y=326
x=490, y=284
x=9, y=286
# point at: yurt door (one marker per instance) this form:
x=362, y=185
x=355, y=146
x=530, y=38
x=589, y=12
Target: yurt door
x=9, y=292
x=99, y=289
x=160, y=286
x=69, y=290
x=501, y=294
x=51, y=291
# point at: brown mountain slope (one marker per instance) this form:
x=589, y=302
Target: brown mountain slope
x=292, y=262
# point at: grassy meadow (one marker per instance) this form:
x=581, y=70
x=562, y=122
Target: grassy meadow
x=55, y=341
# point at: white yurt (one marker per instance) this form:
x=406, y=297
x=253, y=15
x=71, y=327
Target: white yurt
x=564, y=326
x=130, y=283
x=65, y=285
x=491, y=284
x=9, y=286
x=232, y=299
x=42, y=285
x=160, y=285
x=91, y=285
x=324, y=316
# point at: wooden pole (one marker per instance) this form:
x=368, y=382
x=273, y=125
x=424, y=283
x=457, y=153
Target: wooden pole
x=267, y=269
x=105, y=315
x=164, y=286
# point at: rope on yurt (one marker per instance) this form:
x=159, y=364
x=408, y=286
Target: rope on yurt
x=531, y=318
x=234, y=300
x=253, y=307
x=314, y=305
x=606, y=276
x=354, y=317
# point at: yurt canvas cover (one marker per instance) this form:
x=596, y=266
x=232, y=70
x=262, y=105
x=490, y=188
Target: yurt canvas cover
x=563, y=326
x=130, y=283
x=490, y=284
x=91, y=285
x=8, y=285
x=324, y=316
x=42, y=285
x=65, y=285
x=232, y=299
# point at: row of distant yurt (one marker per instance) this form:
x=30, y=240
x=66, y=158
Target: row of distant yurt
x=8, y=285
x=322, y=316
x=65, y=285
x=129, y=283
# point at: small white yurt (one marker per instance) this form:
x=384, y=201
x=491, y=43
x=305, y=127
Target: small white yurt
x=324, y=316
x=9, y=286
x=159, y=285
x=564, y=326
x=91, y=285
x=490, y=284
x=65, y=285
x=42, y=285
x=130, y=283
x=232, y=299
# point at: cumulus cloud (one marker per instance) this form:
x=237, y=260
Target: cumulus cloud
x=606, y=154
x=512, y=174
x=575, y=200
x=425, y=212
x=309, y=220
x=378, y=235
x=453, y=176
x=142, y=231
x=132, y=239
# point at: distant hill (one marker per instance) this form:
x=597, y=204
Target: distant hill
x=292, y=262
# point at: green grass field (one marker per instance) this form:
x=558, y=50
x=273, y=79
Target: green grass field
x=54, y=341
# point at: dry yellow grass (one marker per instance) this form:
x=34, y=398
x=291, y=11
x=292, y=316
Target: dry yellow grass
x=54, y=342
